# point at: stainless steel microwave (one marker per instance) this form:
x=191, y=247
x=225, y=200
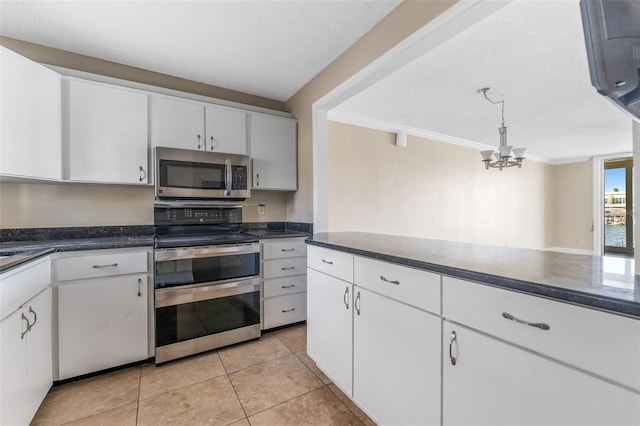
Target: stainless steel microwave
x=190, y=174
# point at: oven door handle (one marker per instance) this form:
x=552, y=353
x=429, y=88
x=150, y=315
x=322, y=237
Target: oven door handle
x=164, y=255
x=204, y=291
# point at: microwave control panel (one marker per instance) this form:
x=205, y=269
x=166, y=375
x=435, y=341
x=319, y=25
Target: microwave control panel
x=239, y=177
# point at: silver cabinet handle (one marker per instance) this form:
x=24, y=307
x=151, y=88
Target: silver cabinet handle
x=199, y=145
x=291, y=249
x=288, y=268
x=139, y=287
x=539, y=325
x=113, y=265
x=346, y=297
x=453, y=338
x=356, y=303
x=143, y=174
x=257, y=179
x=389, y=281
x=288, y=286
x=35, y=317
x=24, y=318
x=213, y=146
x=288, y=310
x=328, y=262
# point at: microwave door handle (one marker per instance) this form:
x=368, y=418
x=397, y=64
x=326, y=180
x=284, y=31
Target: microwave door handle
x=228, y=177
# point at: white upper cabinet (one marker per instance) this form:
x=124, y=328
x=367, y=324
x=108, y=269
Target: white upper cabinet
x=30, y=118
x=226, y=130
x=180, y=123
x=105, y=133
x=273, y=150
x=177, y=123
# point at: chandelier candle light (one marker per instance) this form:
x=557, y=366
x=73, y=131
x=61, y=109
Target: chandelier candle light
x=506, y=156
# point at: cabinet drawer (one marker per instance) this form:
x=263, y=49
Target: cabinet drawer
x=599, y=342
x=21, y=284
x=336, y=263
x=284, y=247
x=283, y=310
x=284, y=267
x=100, y=265
x=412, y=286
x=285, y=285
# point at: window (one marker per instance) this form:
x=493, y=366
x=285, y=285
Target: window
x=618, y=214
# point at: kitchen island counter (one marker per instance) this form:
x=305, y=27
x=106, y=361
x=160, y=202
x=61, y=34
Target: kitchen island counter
x=601, y=282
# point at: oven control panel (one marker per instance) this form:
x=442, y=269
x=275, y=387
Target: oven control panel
x=196, y=215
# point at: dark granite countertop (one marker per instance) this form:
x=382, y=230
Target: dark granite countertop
x=10, y=259
x=267, y=233
x=602, y=282
x=23, y=245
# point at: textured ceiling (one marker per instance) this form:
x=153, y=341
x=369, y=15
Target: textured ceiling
x=265, y=48
x=530, y=52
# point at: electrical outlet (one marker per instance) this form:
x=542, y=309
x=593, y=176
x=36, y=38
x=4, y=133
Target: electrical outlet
x=260, y=208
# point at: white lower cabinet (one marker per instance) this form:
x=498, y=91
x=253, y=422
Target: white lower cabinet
x=329, y=327
x=102, y=324
x=396, y=361
x=495, y=383
x=283, y=275
x=102, y=319
x=25, y=360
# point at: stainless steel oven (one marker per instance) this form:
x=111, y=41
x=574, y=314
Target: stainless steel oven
x=207, y=286
x=191, y=174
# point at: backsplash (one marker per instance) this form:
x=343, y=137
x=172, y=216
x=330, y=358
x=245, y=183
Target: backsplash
x=72, y=233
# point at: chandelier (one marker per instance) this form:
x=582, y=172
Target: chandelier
x=506, y=156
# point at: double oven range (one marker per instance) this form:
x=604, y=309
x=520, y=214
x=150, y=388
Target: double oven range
x=207, y=285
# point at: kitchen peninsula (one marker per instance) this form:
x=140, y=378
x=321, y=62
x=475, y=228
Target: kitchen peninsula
x=460, y=333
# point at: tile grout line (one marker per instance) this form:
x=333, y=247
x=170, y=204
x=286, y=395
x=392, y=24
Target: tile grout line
x=139, y=391
x=234, y=389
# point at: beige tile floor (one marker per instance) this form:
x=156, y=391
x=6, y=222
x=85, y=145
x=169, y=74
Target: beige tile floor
x=270, y=381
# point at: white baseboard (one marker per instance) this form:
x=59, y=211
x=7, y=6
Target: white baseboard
x=570, y=250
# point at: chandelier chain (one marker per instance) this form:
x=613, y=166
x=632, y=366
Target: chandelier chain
x=484, y=93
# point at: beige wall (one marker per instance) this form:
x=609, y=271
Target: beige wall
x=434, y=190
x=35, y=205
x=403, y=21
x=27, y=205
x=573, y=199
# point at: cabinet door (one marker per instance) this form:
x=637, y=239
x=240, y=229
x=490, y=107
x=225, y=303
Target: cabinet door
x=102, y=324
x=177, y=123
x=14, y=406
x=273, y=150
x=106, y=133
x=39, y=349
x=494, y=383
x=396, y=361
x=329, y=327
x=226, y=130
x=30, y=120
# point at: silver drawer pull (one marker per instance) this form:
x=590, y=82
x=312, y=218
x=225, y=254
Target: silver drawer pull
x=288, y=268
x=113, y=265
x=288, y=310
x=389, y=281
x=288, y=286
x=328, y=262
x=292, y=249
x=539, y=325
